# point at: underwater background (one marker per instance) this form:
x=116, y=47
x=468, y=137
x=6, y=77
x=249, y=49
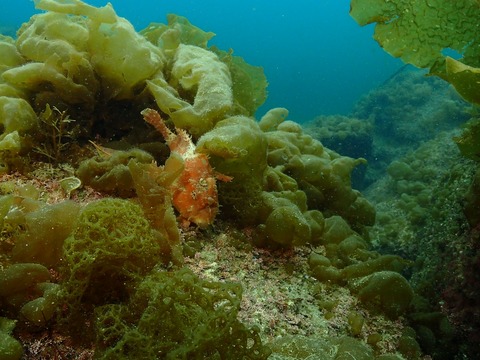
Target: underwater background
x=316, y=58
x=314, y=194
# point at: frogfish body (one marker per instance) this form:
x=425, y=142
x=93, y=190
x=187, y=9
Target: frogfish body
x=194, y=192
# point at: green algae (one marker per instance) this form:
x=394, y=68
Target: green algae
x=109, y=173
x=467, y=142
x=121, y=266
x=301, y=347
x=410, y=30
x=111, y=247
x=10, y=349
x=177, y=315
x=417, y=39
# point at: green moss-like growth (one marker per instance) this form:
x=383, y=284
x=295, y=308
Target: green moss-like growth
x=176, y=315
x=112, y=246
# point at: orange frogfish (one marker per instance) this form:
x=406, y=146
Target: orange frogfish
x=194, y=192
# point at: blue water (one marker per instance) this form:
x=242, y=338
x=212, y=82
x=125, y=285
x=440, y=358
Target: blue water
x=316, y=58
